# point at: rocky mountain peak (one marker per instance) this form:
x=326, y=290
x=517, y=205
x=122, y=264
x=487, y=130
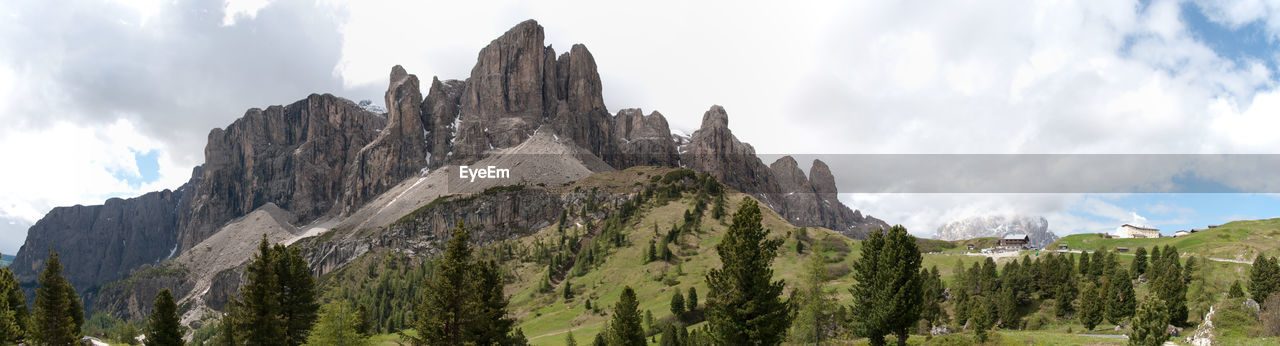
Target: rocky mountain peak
x=1035, y=227
x=715, y=117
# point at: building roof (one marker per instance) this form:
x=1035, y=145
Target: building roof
x=1016, y=236
x=1139, y=227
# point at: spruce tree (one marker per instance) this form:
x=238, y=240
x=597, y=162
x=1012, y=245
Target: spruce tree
x=1170, y=288
x=10, y=332
x=743, y=306
x=297, y=293
x=888, y=294
x=692, y=300
x=446, y=309
x=259, y=317
x=1084, y=266
x=932, y=289
x=337, y=325
x=980, y=315
x=1264, y=277
x=677, y=304
x=1235, y=291
x=15, y=302
x=491, y=324
x=54, y=316
x=1150, y=323
x=1139, y=265
x=812, y=303
x=569, y=340
x=1121, y=300
x=1090, y=308
x=1008, y=306
x=625, y=327
x=163, y=327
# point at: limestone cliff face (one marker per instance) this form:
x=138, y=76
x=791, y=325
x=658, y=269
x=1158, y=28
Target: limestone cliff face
x=439, y=114
x=782, y=186
x=102, y=243
x=295, y=156
x=643, y=140
x=398, y=152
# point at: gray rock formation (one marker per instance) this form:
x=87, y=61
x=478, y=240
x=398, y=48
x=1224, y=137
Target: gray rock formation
x=643, y=140
x=783, y=187
x=102, y=243
x=439, y=115
x=295, y=156
x=398, y=152
x=1037, y=228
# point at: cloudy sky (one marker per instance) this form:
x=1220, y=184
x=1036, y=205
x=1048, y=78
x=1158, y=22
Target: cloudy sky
x=115, y=98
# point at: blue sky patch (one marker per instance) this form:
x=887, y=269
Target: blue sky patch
x=1240, y=44
x=148, y=164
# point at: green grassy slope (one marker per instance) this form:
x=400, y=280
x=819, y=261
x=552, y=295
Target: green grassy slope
x=1239, y=240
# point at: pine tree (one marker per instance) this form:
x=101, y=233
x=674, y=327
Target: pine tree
x=54, y=317
x=14, y=303
x=337, y=325
x=1008, y=306
x=259, y=318
x=980, y=315
x=297, y=293
x=489, y=310
x=1235, y=291
x=1189, y=270
x=888, y=293
x=1139, y=265
x=1264, y=278
x=567, y=293
x=569, y=340
x=1152, y=259
x=932, y=289
x=1090, y=308
x=692, y=300
x=163, y=328
x=743, y=305
x=677, y=304
x=1084, y=266
x=1121, y=300
x=669, y=336
x=1149, y=323
x=447, y=300
x=625, y=327
x=652, y=254
x=1168, y=285
x=812, y=303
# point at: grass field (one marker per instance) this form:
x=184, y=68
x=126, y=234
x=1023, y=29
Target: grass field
x=1239, y=240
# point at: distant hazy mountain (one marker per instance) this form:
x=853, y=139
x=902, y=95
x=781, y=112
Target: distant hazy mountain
x=997, y=226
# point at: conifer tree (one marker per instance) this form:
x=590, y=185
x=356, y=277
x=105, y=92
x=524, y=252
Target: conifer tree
x=297, y=293
x=55, y=307
x=980, y=315
x=1139, y=265
x=569, y=340
x=1169, y=287
x=163, y=327
x=1264, y=278
x=1090, y=308
x=692, y=300
x=1153, y=259
x=1235, y=291
x=337, y=325
x=1121, y=300
x=888, y=294
x=625, y=327
x=446, y=309
x=10, y=332
x=259, y=316
x=1084, y=266
x=1149, y=323
x=677, y=304
x=932, y=289
x=491, y=324
x=743, y=306
x=1008, y=306
x=15, y=303
x=812, y=303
